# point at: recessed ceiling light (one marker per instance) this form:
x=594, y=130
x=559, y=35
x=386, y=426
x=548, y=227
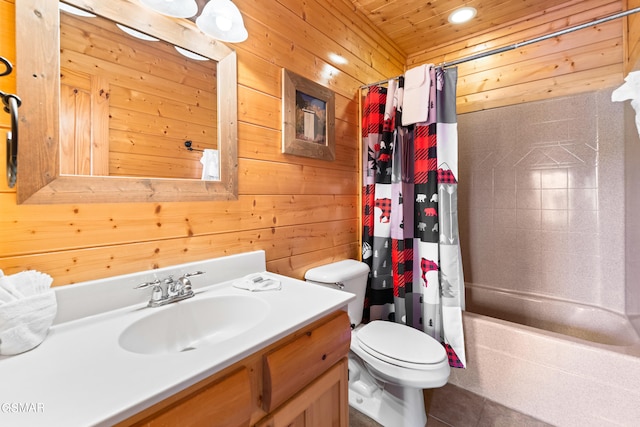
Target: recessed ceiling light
x=462, y=15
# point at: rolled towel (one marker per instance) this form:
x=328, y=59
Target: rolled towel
x=24, y=323
x=31, y=282
x=7, y=285
x=5, y=296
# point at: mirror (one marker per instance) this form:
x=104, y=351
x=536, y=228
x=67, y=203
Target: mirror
x=130, y=102
x=44, y=178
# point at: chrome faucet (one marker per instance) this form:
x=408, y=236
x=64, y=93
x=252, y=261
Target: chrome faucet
x=174, y=290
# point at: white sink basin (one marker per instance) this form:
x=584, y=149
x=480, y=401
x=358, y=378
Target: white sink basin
x=191, y=324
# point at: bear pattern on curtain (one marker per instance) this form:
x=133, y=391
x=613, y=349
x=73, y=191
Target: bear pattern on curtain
x=410, y=224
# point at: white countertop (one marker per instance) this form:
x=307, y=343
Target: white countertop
x=80, y=376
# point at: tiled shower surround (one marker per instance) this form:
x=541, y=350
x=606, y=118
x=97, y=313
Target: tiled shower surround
x=542, y=198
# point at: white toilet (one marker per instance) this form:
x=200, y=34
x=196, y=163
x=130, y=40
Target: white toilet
x=389, y=363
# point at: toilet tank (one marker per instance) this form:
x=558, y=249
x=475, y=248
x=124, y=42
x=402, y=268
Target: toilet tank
x=349, y=275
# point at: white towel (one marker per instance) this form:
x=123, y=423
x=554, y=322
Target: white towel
x=389, y=106
x=210, y=165
x=415, y=102
x=25, y=322
x=630, y=89
x=27, y=309
x=257, y=283
x=8, y=291
x=29, y=282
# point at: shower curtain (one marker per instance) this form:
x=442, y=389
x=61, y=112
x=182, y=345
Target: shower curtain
x=409, y=196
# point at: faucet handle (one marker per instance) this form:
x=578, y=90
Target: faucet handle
x=186, y=283
x=157, y=294
x=145, y=285
x=195, y=273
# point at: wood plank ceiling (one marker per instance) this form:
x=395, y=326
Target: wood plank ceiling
x=417, y=25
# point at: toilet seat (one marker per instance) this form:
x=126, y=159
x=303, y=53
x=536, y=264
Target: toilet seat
x=428, y=376
x=400, y=345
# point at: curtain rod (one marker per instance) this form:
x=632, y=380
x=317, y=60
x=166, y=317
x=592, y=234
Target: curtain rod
x=524, y=43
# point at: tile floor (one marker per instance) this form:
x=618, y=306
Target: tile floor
x=470, y=410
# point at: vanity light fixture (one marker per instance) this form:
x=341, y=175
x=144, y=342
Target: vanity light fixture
x=462, y=15
x=175, y=8
x=190, y=54
x=137, y=34
x=75, y=11
x=220, y=19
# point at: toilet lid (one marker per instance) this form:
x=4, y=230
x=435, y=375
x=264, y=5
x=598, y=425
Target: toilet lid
x=394, y=342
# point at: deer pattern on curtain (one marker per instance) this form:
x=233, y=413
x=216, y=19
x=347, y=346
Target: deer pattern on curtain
x=410, y=225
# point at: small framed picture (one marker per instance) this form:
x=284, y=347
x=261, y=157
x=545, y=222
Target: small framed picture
x=308, y=116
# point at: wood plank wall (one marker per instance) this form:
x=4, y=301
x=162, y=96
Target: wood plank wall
x=302, y=212
x=585, y=60
x=633, y=37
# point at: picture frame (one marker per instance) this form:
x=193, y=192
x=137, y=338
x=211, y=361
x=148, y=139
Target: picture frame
x=308, y=118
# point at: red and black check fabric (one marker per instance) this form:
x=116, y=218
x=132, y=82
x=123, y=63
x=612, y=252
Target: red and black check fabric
x=384, y=205
x=427, y=265
x=425, y=148
x=373, y=114
x=402, y=258
x=454, y=360
x=445, y=176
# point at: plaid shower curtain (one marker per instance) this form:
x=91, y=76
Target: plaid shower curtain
x=410, y=224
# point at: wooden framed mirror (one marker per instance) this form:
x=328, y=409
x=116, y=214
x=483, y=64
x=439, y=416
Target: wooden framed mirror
x=40, y=177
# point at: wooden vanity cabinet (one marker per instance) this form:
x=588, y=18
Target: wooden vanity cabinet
x=321, y=404
x=301, y=380
x=305, y=380
x=224, y=402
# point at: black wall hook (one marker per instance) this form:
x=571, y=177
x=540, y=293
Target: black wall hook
x=188, y=145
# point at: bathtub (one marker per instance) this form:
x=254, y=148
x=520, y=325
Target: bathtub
x=564, y=363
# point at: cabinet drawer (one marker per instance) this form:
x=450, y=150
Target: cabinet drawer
x=291, y=367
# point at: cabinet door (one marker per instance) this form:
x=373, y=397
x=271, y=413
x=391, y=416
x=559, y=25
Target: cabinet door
x=323, y=403
x=224, y=403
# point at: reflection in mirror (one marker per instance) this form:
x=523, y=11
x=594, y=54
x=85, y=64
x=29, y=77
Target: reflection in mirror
x=99, y=175
x=129, y=102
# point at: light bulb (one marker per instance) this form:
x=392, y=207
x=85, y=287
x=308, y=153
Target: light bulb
x=175, y=8
x=223, y=23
